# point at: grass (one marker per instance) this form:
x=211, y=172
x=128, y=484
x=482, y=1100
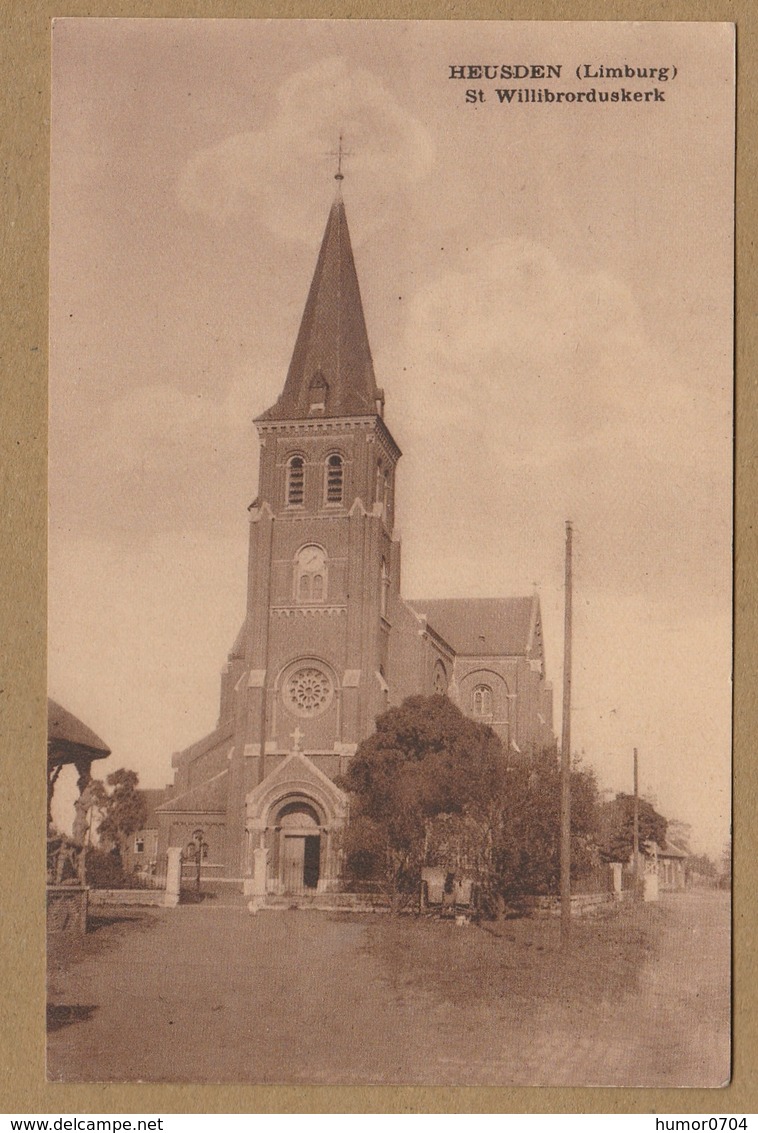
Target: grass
x=519, y=959
x=214, y=995
x=104, y=930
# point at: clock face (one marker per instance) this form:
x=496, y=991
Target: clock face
x=312, y=559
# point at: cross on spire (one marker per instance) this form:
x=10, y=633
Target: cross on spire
x=339, y=153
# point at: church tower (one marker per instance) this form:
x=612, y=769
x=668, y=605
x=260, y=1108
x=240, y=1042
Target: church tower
x=307, y=675
x=328, y=643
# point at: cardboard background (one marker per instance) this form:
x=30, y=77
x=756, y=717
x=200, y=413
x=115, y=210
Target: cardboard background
x=24, y=141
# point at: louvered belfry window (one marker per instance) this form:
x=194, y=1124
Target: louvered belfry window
x=334, y=479
x=295, y=481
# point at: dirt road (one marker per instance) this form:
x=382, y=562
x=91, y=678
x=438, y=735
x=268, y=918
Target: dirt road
x=205, y=993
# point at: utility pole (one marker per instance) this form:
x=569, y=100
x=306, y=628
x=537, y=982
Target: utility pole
x=636, y=833
x=566, y=755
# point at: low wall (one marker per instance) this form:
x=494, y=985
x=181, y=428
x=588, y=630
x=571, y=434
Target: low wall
x=582, y=904
x=67, y=908
x=126, y=896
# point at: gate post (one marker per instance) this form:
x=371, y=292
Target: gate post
x=173, y=876
x=255, y=886
x=260, y=870
x=615, y=868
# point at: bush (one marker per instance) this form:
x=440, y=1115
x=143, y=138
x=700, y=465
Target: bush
x=424, y=759
x=104, y=871
x=432, y=787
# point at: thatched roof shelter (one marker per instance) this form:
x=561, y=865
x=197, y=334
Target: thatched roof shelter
x=69, y=740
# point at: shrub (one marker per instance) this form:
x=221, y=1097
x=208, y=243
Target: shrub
x=104, y=871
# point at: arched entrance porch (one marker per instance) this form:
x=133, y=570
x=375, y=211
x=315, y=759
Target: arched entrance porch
x=292, y=819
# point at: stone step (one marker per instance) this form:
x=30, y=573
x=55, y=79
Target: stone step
x=334, y=902
x=221, y=895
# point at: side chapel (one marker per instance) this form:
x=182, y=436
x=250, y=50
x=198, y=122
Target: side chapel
x=328, y=643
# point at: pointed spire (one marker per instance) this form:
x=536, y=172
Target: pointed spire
x=331, y=373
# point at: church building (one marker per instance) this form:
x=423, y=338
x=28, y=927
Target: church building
x=328, y=643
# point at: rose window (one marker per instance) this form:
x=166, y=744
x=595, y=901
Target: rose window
x=308, y=692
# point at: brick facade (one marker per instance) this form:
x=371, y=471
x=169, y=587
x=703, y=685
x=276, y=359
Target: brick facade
x=328, y=643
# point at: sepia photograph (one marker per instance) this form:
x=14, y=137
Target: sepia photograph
x=390, y=552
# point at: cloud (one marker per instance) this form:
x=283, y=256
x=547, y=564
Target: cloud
x=389, y=150
x=543, y=388
x=533, y=391
x=159, y=460
x=138, y=634
x=561, y=356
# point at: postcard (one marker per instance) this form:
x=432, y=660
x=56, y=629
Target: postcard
x=390, y=635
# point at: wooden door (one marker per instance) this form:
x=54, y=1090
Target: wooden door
x=294, y=863
x=312, y=861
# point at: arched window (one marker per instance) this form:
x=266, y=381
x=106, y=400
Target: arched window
x=310, y=574
x=385, y=588
x=482, y=700
x=439, y=680
x=295, y=481
x=334, y=479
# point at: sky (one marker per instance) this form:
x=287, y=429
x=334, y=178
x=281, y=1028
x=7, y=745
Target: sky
x=548, y=294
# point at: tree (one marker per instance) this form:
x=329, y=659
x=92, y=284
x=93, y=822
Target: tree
x=124, y=811
x=700, y=869
x=617, y=828
x=529, y=844
x=680, y=833
x=424, y=759
x=431, y=786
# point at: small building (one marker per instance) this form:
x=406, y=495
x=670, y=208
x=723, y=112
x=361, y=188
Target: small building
x=662, y=870
x=672, y=867
x=141, y=855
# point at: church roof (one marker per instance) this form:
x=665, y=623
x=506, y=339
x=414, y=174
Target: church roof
x=331, y=365
x=671, y=851
x=488, y=627
x=207, y=797
x=69, y=739
x=154, y=797
x=238, y=649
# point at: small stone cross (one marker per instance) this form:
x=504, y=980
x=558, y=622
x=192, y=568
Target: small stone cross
x=297, y=736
